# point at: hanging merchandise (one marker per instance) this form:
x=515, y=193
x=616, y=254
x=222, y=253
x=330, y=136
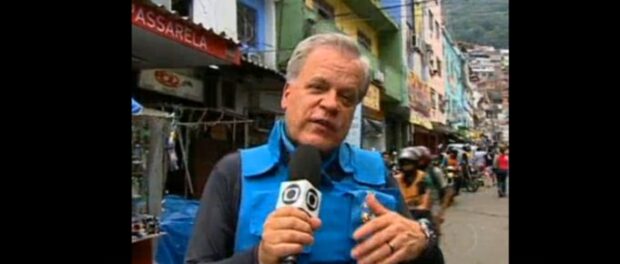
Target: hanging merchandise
x=137, y=151
x=172, y=153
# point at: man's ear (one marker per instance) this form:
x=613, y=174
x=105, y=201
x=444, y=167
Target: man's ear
x=285, y=94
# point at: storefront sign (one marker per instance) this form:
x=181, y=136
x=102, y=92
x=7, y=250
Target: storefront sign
x=373, y=98
x=419, y=96
x=420, y=120
x=177, y=29
x=172, y=83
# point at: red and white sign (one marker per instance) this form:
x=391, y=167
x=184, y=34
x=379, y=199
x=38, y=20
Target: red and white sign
x=177, y=29
x=172, y=83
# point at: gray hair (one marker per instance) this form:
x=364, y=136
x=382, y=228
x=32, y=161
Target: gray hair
x=337, y=40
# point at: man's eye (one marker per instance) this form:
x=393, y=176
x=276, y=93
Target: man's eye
x=317, y=87
x=348, y=100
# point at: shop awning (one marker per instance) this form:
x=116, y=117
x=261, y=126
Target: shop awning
x=441, y=128
x=163, y=39
x=253, y=61
x=254, y=64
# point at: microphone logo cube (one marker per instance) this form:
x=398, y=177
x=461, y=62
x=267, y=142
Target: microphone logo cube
x=300, y=194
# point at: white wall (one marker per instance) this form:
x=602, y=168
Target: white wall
x=241, y=100
x=270, y=34
x=221, y=15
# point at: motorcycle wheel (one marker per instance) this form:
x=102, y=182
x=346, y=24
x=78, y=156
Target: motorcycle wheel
x=471, y=186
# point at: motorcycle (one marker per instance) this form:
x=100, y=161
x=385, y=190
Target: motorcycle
x=451, y=173
x=474, y=181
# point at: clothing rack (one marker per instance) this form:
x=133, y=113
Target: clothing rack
x=195, y=120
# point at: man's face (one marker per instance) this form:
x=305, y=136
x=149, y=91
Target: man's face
x=423, y=163
x=408, y=165
x=320, y=102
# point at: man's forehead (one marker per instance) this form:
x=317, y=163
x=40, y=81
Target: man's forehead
x=349, y=82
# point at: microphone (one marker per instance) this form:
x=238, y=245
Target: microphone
x=301, y=190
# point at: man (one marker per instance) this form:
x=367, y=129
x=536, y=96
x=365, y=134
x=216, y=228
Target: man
x=413, y=183
x=489, y=157
x=455, y=164
x=387, y=160
x=238, y=222
x=435, y=180
x=501, y=170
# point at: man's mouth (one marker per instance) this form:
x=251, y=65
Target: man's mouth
x=325, y=123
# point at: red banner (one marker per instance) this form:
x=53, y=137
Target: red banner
x=175, y=28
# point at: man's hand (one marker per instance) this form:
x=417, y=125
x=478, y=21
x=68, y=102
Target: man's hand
x=390, y=237
x=285, y=233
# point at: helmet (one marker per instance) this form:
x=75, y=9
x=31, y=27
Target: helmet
x=426, y=152
x=410, y=153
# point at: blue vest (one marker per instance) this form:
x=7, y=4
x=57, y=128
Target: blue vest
x=263, y=169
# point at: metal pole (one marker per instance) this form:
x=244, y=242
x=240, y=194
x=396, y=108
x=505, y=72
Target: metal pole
x=188, y=178
x=246, y=131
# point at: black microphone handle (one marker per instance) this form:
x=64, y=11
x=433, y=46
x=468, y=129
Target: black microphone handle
x=289, y=260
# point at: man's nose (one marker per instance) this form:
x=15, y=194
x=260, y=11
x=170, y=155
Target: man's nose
x=329, y=102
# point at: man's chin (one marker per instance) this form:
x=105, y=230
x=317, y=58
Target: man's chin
x=319, y=142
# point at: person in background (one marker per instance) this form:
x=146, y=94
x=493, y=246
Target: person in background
x=388, y=160
x=501, y=170
x=412, y=183
x=441, y=193
x=489, y=157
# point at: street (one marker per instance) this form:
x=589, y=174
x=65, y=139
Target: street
x=476, y=229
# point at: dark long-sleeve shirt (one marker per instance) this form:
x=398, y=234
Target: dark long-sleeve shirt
x=213, y=239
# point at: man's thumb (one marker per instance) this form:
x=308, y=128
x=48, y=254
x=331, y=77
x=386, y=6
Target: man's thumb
x=375, y=205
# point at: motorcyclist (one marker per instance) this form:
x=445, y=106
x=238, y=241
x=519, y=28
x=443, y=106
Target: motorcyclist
x=441, y=192
x=412, y=184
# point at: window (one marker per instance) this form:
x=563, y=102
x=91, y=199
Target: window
x=442, y=105
x=430, y=21
x=438, y=67
x=182, y=7
x=438, y=30
x=325, y=10
x=246, y=24
x=409, y=12
x=433, y=99
x=364, y=40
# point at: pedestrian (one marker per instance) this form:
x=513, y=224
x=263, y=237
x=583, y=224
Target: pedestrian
x=489, y=158
x=501, y=170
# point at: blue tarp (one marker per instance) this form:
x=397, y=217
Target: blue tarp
x=177, y=220
x=136, y=108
